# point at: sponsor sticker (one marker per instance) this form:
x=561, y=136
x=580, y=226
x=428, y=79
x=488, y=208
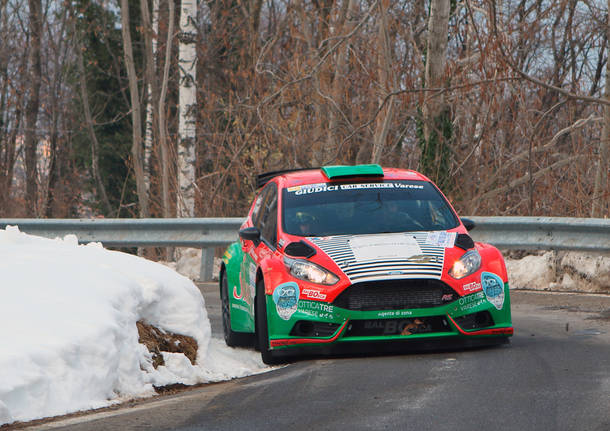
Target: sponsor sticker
x=286, y=298
x=394, y=313
x=493, y=286
x=318, y=310
x=441, y=239
x=471, y=301
x=237, y=295
x=311, y=188
x=240, y=307
x=313, y=294
x=472, y=287
x=422, y=258
x=323, y=187
x=226, y=257
x=370, y=247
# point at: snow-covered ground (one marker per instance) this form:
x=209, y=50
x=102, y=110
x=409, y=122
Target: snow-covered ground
x=68, y=335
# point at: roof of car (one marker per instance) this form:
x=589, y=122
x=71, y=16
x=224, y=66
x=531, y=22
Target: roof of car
x=290, y=178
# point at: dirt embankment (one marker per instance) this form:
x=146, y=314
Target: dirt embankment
x=157, y=341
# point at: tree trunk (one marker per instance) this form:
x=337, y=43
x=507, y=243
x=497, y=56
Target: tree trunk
x=187, y=62
x=31, y=111
x=348, y=20
x=95, y=170
x=49, y=199
x=314, y=33
x=436, y=115
x=599, y=208
x=8, y=129
x=386, y=84
x=165, y=162
x=436, y=59
x=136, y=111
x=151, y=31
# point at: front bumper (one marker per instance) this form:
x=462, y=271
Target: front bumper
x=327, y=326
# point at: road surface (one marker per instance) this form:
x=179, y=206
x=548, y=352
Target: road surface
x=554, y=375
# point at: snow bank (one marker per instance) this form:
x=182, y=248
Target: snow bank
x=561, y=271
x=68, y=328
x=189, y=263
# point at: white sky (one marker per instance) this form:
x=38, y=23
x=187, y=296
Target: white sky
x=68, y=336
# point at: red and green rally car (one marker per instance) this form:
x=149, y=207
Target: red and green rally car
x=335, y=256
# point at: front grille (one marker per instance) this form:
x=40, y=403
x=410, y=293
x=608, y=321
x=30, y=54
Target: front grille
x=482, y=319
x=395, y=295
x=307, y=328
x=388, y=327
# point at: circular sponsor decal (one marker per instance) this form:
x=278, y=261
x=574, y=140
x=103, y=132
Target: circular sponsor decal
x=493, y=286
x=286, y=298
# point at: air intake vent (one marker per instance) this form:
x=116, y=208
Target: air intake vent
x=395, y=295
x=307, y=328
x=482, y=319
x=391, y=327
x=299, y=249
x=464, y=241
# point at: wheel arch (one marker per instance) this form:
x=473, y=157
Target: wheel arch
x=221, y=272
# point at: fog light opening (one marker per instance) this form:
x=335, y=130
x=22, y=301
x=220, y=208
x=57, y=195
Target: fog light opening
x=483, y=319
x=304, y=328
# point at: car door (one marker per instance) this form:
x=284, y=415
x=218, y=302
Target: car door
x=264, y=217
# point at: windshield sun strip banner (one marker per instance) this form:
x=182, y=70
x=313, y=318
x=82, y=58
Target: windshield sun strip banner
x=330, y=187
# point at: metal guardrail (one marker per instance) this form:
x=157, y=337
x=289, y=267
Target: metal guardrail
x=150, y=232
x=548, y=233
x=204, y=233
x=544, y=233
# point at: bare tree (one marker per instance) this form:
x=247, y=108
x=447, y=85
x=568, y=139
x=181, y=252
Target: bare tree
x=386, y=84
x=136, y=111
x=188, y=108
x=95, y=170
x=163, y=142
x=31, y=111
x=151, y=30
x=601, y=194
x=13, y=65
x=59, y=52
x=348, y=18
x=434, y=105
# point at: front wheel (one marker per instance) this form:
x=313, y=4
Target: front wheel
x=262, y=328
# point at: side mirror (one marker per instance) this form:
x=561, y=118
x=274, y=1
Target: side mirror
x=468, y=224
x=251, y=234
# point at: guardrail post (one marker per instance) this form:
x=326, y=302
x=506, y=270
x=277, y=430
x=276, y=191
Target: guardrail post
x=207, y=264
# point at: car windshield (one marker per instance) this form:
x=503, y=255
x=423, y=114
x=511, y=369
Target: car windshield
x=364, y=208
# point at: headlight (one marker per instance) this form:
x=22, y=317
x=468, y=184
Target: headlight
x=309, y=271
x=468, y=264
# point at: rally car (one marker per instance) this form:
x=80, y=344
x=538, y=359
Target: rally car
x=334, y=256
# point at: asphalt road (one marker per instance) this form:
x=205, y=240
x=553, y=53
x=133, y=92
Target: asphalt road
x=554, y=375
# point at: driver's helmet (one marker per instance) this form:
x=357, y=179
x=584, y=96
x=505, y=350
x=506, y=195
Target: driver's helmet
x=304, y=218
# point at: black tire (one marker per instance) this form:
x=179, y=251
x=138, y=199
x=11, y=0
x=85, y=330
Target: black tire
x=262, y=332
x=232, y=338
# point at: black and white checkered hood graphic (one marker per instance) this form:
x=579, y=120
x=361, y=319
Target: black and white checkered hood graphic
x=359, y=258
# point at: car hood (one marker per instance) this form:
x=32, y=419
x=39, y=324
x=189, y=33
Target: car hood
x=388, y=256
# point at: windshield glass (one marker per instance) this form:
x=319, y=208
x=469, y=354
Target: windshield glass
x=364, y=208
